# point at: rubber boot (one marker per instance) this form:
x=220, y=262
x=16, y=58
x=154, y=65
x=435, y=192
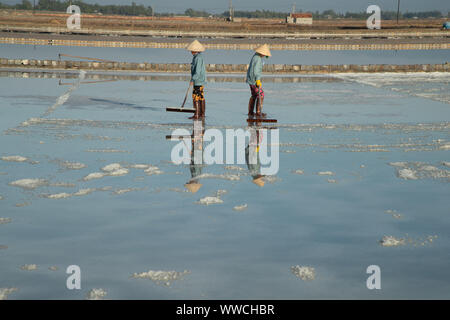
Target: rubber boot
x=203, y=108
x=251, y=106
x=197, y=110
x=259, y=105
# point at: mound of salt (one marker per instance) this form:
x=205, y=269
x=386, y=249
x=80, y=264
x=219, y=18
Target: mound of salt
x=241, y=207
x=161, y=277
x=62, y=195
x=5, y=220
x=94, y=175
x=407, y=174
x=209, y=200
x=304, y=272
x=390, y=241
x=325, y=173
x=96, y=294
x=29, y=267
x=151, y=170
x=112, y=167
x=14, y=158
x=298, y=171
x=5, y=292
x=29, y=183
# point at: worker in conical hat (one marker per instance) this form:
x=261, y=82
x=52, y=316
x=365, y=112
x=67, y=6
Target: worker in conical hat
x=198, y=78
x=254, y=74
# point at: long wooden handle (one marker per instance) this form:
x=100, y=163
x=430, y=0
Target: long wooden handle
x=185, y=98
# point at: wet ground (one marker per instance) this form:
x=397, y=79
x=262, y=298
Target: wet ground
x=86, y=179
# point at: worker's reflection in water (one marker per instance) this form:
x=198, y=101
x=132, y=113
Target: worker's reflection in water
x=196, y=164
x=252, y=154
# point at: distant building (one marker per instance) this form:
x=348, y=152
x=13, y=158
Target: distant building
x=300, y=18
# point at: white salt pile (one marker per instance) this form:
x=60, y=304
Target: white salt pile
x=394, y=213
x=96, y=294
x=5, y=220
x=325, y=173
x=446, y=163
x=14, y=158
x=209, y=200
x=303, y=272
x=407, y=174
x=241, y=207
x=29, y=183
x=298, y=171
x=62, y=195
x=151, y=170
x=72, y=165
x=112, y=167
x=94, y=175
x=5, y=292
x=118, y=172
x=390, y=241
x=161, y=277
x=29, y=267
x=332, y=181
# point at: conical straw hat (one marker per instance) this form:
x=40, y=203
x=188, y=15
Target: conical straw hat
x=193, y=187
x=195, y=46
x=264, y=50
x=259, y=181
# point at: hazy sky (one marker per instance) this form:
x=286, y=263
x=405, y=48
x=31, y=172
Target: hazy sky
x=280, y=5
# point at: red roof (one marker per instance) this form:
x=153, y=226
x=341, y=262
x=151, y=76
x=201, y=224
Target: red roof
x=301, y=15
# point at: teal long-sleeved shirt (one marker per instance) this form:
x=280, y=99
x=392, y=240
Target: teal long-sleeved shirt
x=198, y=70
x=254, y=71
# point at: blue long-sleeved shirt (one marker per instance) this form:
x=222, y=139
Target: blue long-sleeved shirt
x=254, y=71
x=198, y=70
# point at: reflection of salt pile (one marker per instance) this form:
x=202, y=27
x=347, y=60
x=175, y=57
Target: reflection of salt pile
x=390, y=241
x=304, y=272
x=241, y=207
x=29, y=267
x=420, y=170
x=5, y=220
x=96, y=294
x=14, y=159
x=29, y=183
x=161, y=277
x=5, y=292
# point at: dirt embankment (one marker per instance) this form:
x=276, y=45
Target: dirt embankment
x=26, y=19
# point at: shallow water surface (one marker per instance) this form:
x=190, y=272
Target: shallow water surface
x=363, y=180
